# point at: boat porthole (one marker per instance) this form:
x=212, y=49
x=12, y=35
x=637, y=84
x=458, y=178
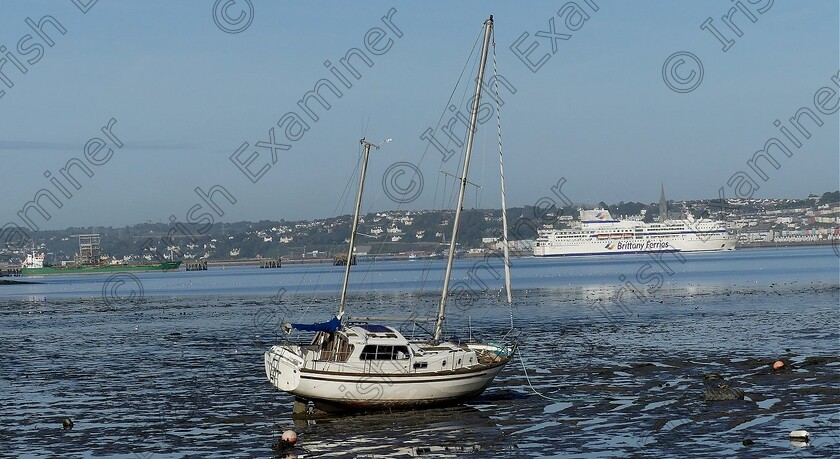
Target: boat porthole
x=459, y=361
x=444, y=363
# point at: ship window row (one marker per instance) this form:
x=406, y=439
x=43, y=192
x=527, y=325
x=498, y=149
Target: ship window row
x=637, y=233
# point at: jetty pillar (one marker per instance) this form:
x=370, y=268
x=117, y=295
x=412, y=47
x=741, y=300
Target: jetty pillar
x=199, y=265
x=269, y=263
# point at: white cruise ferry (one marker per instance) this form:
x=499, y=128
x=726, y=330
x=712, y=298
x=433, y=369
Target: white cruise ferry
x=598, y=233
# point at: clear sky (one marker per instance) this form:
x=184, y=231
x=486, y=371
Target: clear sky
x=186, y=94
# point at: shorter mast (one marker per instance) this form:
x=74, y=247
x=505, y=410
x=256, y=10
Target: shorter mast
x=355, y=225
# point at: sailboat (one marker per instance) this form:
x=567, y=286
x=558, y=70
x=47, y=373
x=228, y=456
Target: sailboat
x=355, y=363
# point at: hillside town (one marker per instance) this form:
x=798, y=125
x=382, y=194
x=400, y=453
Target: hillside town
x=415, y=234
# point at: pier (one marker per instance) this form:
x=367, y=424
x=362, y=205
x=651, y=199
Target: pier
x=200, y=265
x=9, y=272
x=264, y=263
x=341, y=260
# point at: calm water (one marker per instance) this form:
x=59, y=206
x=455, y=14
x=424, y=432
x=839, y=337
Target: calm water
x=612, y=361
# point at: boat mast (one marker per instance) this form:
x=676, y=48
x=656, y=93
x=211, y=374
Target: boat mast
x=502, y=177
x=488, y=28
x=355, y=225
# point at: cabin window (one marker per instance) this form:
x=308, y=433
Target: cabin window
x=418, y=365
x=380, y=352
x=335, y=348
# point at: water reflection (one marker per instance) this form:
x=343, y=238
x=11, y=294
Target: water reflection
x=460, y=431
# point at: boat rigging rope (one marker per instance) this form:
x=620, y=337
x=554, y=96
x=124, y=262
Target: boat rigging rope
x=554, y=399
x=502, y=173
x=309, y=266
x=381, y=244
x=427, y=269
x=504, y=236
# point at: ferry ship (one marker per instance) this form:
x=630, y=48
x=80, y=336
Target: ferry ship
x=598, y=233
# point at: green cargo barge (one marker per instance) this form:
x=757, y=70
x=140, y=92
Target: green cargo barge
x=92, y=269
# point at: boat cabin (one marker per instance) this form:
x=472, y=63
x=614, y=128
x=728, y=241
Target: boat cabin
x=371, y=347
x=362, y=342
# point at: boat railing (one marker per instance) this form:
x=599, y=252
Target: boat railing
x=369, y=319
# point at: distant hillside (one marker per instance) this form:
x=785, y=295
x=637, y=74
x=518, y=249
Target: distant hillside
x=394, y=231
x=385, y=232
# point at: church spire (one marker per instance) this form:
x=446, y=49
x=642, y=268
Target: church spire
x=663, y=206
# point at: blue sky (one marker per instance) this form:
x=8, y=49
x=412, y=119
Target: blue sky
x=186, y=95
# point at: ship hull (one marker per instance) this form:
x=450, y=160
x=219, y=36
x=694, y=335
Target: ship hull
x=49, y=271
x=712, y=243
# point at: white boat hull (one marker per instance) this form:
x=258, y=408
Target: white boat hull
x=383, y=385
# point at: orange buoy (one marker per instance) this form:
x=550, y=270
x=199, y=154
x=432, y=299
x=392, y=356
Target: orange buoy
x=778, y=365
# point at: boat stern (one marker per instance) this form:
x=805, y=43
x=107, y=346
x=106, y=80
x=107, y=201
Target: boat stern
x=282, y=367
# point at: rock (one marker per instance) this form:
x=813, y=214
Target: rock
x=799, y=435
x=809, y=361
x=722, y=392
x=715, y=389
x=300, y=407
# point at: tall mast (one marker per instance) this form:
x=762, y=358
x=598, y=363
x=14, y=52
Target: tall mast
x=355, y=225
x=488, y=28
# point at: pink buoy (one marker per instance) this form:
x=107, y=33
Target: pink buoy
x=289, y=436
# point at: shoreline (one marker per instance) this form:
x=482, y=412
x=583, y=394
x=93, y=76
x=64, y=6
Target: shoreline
x=394, y=257
x=401, y=257
x=13, y=282
x=765, y=245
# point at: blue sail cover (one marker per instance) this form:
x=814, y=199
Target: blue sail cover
x=328, y=327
